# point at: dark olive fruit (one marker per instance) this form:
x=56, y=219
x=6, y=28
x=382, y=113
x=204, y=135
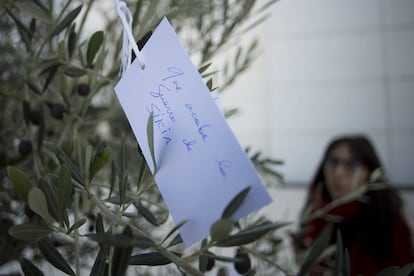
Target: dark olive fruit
x=210, y=263
x=36, y=117
x=83, y=89
x=57, y=110
x=29, y=212
x=244, y=265
x=25, y=147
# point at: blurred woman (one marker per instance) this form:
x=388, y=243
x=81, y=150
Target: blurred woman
x=350, y=193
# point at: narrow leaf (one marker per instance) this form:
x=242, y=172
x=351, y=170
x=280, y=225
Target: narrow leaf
x=150, y=12
x=63, y=158
x=65, y=190
x=53, y=256
x=230, y=112
x=235, y=203
x=29, y=269
x=51, y=193
x=121, y=255
x=29, y=232
x=221, y=229
x=123, y=172
x=112, y=178
x=33, y=87
x=175, y=228
x=51, y=75
x=94, y=44
x=30, y=8
x=38, y=203
x=146, y=213
x=316, y=250
x=203, y=68
x=49, y=66
x=88, y=161
x=77, y=224
x=346, y=267
x=250, y=234
x=247, y=7
x=151, y=259
x=177, y=240
x=66, y=21
x=99, y=161
x=338, y=255
x=26, y=111
x=150, y=138
x=20, y=181
x=41, y=132
x=100, y=266
x=74, y=72
x=71, y=41
x=99, y=226
x=23, y=30
x=210, y=84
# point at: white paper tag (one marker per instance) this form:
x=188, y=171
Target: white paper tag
x=200, y=164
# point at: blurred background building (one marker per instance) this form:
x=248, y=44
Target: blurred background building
x=330, y=67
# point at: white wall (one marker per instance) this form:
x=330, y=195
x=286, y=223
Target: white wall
x=330, y=67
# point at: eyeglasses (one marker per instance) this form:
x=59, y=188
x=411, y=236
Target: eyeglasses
x=349, y=164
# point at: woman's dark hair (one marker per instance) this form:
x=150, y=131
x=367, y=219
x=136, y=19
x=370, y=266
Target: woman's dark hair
x=361, y=149
x=376, y=218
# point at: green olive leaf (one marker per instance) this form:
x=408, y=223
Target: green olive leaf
x=99, y=161
x=76, y=225
x=29, y=232
x=29, y=268
x=94, y=44
x=250, y=234
x=221, y=229
x=32, y=9
x=53, y=256
x=71, y=41
x=65, y=22
x=65, y=190
x=151, y=259
x=150, y=138
x=38, y=203
x=316, y=250
x=74, y=72
x=20, y=181
x=235, y=203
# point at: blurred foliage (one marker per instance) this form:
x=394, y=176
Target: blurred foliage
x=75, y=190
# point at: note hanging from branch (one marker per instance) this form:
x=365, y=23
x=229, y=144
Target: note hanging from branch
x=200, y=165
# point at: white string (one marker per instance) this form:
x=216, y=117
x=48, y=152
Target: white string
x=128, y=41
